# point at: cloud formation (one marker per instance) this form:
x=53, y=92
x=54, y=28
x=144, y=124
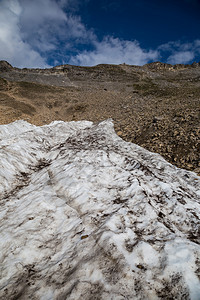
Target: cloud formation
x=44, y=24
x=180, y=53
x=31, y=31
x=115, y=51
x=40, y=33
x=12, y=46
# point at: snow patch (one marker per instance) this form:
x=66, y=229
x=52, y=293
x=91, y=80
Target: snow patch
x=84, y=214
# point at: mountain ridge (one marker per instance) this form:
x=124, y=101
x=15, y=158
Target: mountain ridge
x=157, y=64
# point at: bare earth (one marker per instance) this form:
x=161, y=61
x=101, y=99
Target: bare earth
x=156, y=106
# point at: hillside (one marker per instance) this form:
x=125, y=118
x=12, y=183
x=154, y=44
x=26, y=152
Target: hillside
x=156, y=106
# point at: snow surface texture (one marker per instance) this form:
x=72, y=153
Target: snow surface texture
x=85, y=215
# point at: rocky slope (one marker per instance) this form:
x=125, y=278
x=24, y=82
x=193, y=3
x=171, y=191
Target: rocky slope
x=86, y=215
x=156, y=106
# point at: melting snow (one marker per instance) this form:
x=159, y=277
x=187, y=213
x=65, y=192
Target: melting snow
x=86, y=215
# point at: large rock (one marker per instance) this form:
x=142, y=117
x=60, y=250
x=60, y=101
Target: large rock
x=5, y=66
x=85, y=215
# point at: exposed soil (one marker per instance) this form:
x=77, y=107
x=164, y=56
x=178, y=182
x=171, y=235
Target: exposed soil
x=156, y=106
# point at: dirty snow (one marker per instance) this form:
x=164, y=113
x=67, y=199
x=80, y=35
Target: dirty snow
x=86, y=215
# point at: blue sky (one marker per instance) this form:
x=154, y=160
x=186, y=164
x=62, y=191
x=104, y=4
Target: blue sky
x=44, y=33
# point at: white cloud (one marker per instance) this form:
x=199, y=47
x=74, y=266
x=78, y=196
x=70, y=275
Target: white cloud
x=182, y=57
x=179, y=52
x=115, y=51
x=31, y=30
x=44, y=24
x=12, y=46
